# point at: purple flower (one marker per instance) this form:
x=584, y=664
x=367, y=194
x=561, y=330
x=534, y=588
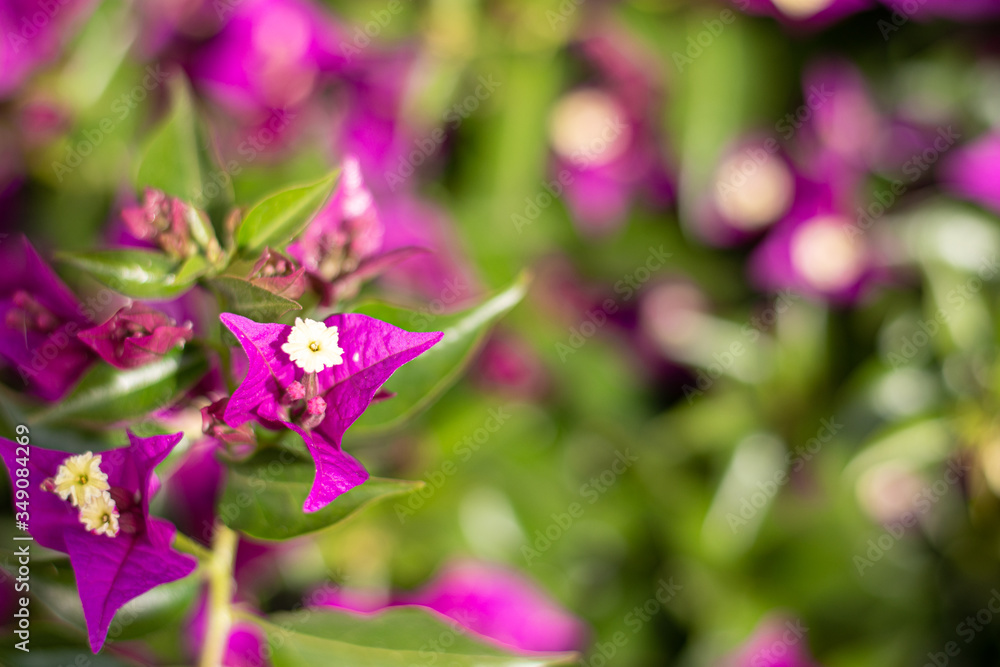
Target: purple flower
x=753, y=187
x=338, y=367
x=973, y=171
x=41, y=318
x=963, y=10
x=442, y=275
x=95, y=508
x=498, y=604
x=347, y=230
x=135, y=336
x=775, y=644
x=604, y=137
x=172, y=224
x=845, y=120
x=278, y=274
x=818, y=249
x=268, y=55
x=33, y=31
x=805, y=13
x=192, y=490
x=245, y=647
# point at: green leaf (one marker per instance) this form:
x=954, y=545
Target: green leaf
x=417, y=384
x=107, y=394
x=176, y=157
x=396, y=637
x=277, y=219
x=264, y=496
x=143, y=274
x=243, y=298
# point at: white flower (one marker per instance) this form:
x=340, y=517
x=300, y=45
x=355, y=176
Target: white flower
x=100, y=515
x=313, y=346
x=80, y=479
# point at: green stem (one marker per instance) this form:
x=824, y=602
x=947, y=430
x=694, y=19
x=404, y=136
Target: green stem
x=220, y=594
x=184, y=543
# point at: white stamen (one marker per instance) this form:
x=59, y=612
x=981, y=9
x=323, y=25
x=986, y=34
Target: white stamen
x=100, y=515
x=313, y=346
x=81, y=479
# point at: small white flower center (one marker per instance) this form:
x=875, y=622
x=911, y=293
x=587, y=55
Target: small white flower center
x=100, y=515
x=801, y=9
x=313, y=346
x=825, y=256
x=752, y=195
x=80, y=479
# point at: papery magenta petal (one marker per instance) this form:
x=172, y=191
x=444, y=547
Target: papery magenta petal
x=117, y=344
x=373, y=350
x=112, y=571
x=973, y=171
x=269, y=370
x=336, y=471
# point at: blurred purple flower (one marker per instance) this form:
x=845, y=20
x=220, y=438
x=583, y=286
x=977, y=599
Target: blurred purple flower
x=500, y=605
x=319, y=405
x=347, y=230
x=135, y=556
x=817, y=249
x=753, y=187
x=245, y=647
x=775, y=644
x=135, y=336
x=510, y=365
x=33, y=32
x=41, y=318
x=973, y=171
x=845, y=120
x=192, y=490
x=269, y=54
x=443, y=273
x=960, y=10
x=177, y=227
x=607, y=151
x=809, y=14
